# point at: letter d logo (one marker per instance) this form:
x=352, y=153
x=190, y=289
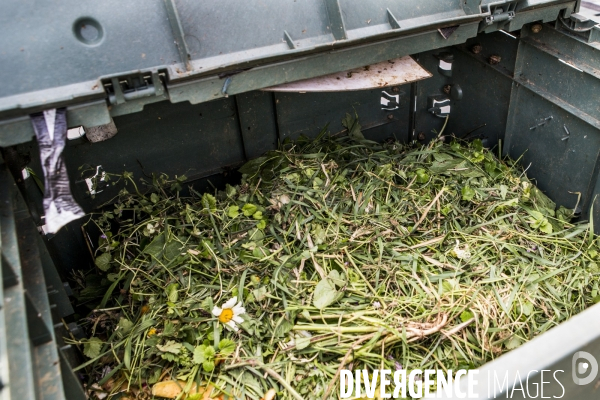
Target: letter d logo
x=579, y=368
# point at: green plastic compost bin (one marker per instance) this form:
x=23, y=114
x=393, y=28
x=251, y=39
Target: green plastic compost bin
x=178, y=86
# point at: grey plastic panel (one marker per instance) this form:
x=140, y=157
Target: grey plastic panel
x=483, y=110
x=221, y=22
x=40, y=48
x=409, y=14
x=554, y=117
x=558, y=166
x=307, y=113
x=66, y=54
x=554, y=352
x=177, y=139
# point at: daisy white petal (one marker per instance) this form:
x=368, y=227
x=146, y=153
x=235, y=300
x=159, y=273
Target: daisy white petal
x=232, y=325
x=237, y=310
x=216, y=311
x=238, y=319
x=230, y=303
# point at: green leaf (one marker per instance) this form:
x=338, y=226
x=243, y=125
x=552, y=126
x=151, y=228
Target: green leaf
x=438, y=167
x=309, y=172
x=209, y=201
x=477, y=157
x=564, y=214
x=542, y=201
x=491, y=167
x=262, y=224
x=513, y=343
x=467, y=193
x=422, y=175
x=354, y=128
x=337, y=279
x=125, y=326
x=325, y=294
x=539, y=221
x=450, y=285
x=253, y=167
x=503, y=191
x=154, y=198
x=203, y=353
x=172, y=293
x=249, y=209
x=302, y=342
x=207, y=304
x=155, y=248
x=103, y=261
x=283, y=328
x=256, y=235
x=233, y=211
x=442, y=157
x=172, y=250
x=198, y=356
x=318, y=234
x=208, y=366
x=446, y=209
x=230, y=191
x=527, y=308
x=477, y=145
x=168, y=329
x=260, y=293
x=92, y=347
x=170, y=347
x=226, y=347
x=465, y=316
x=546, y=227
x=257, y=215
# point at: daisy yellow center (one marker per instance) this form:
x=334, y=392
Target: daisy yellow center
x=226, y=315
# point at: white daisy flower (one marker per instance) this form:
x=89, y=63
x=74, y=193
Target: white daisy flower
x=463, y=254
x=229, y=313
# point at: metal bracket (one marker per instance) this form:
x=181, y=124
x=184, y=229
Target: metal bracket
x=121, y=89
x=499, y=17
x=580, y=26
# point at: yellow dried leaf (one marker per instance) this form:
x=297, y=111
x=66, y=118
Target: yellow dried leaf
x=171, y=389
x=270, y=395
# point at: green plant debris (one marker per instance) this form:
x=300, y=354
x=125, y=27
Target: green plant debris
x=331, y=253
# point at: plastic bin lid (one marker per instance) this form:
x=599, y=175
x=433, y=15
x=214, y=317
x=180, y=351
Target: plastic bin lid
x=103, y=56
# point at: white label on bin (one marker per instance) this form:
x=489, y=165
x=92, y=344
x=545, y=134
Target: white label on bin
x=75, y=133
x=445, y=65
x=386, y=98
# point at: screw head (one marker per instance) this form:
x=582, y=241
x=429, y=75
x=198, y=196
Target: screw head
x=447, y=89
x=421, y=136
x=476, y=48
x=536, y=28
x=495, y=59
x=395, y=89
x=390, y=116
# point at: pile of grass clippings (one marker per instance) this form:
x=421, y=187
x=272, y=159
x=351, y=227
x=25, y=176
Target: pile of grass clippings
x=344, y=253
